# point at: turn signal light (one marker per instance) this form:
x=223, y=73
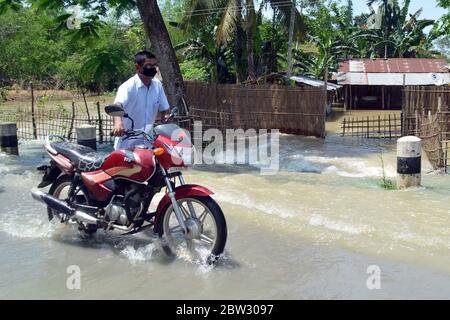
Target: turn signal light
x=159, y=151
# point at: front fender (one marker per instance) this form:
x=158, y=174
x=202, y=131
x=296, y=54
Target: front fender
x=183, y=191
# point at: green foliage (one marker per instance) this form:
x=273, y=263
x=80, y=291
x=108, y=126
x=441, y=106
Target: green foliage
x=193, y=70
x=443, y=45
x=37, y=45
x=134, y=37
x=386, y=183
x=444, y=23
x=28, y=47
x=62, y=109
x=336, y=36
x=42, y=101
x=109, y=93
x=6, y=5
x=3, y=94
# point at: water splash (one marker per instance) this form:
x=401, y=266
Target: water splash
x=268, y=207
x=140, y=254
x=352, y=229
x=26, y=223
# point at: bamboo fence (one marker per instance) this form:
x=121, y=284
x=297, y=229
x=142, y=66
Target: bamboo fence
x=386, y=127
x=289, y=109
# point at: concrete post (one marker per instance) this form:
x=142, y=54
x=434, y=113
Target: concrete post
x=409, y=150
x=8, y=136
x=86, y=136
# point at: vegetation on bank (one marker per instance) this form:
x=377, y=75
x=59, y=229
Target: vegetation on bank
x=219, y=41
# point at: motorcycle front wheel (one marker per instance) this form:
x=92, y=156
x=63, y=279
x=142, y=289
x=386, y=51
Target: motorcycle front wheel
x=206, y=224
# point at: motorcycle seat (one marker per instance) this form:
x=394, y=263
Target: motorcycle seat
x=83, y=158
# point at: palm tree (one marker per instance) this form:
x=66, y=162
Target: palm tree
x=250, y=22
x=232, y=15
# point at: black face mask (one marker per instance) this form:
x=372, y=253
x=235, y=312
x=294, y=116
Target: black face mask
x=149, y=71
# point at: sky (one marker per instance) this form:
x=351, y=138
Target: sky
x=430, y=9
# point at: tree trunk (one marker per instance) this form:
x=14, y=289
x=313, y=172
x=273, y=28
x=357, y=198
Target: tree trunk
x=238, y=49
x=85, y=104
x=273, y=61
x=249, y=30
x=167, y=61
x=325, y=95
x=291, y=41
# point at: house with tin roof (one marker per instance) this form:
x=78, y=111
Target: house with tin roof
x=378, y=83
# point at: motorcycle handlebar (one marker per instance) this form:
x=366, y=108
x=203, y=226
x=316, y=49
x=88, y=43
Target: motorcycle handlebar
x=133, y=133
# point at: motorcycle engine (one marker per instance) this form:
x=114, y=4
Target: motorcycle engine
x=116, y=213
x=123, y=209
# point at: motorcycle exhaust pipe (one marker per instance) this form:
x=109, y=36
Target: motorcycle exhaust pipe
x=80, y=215
x=61, y=206
x=52, y=202
x=83, y=216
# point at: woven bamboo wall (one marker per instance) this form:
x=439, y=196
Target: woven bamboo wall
x=291, y=110
x=426, y=98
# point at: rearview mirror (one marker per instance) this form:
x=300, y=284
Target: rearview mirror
x=172, y=114
x=115, y=110
x=174, y=111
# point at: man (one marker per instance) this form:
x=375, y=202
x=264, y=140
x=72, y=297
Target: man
x=142, y=96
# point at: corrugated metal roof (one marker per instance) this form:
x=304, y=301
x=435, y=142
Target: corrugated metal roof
x=315, y=82
x=393, y=79
x=395, y=65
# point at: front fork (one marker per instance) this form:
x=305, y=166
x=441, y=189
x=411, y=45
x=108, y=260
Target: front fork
x=173, y=200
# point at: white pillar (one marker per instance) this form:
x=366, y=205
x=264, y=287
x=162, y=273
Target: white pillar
x=8, y=137
x=86, y=136
x=409, y=150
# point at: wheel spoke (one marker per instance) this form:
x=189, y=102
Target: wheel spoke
x=185, y=213
x=203, y=216
x=191, y=209
x=206, y=239
x=195, y=213
x=189, y=245
x=176, y=229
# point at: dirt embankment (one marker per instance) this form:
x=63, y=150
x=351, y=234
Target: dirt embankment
x=19, y=94
x=17, y=99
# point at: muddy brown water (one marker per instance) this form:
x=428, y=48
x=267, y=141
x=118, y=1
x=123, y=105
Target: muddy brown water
x=311, y=231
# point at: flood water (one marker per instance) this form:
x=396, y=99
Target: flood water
x=309, y=232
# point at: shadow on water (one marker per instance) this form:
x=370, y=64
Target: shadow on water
x=118, y=244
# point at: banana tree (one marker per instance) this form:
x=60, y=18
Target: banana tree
x=214, y=58
x=236, y=16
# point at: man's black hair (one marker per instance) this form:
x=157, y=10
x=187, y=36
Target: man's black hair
x=140, y=57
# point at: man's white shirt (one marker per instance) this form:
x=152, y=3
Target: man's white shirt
x=142, y=104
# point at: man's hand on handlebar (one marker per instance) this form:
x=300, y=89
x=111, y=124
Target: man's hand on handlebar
x=118, y=129
x=164, y=116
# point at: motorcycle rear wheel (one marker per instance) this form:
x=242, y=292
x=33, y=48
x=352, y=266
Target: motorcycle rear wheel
x=207, y=223
x=60, y=189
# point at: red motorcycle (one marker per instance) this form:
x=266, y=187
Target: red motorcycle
x=114, y=192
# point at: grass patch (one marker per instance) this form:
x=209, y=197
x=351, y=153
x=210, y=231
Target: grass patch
x=386, y=183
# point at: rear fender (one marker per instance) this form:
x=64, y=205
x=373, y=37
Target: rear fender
x=183, y=191
x=51, y=173
x=62, y=162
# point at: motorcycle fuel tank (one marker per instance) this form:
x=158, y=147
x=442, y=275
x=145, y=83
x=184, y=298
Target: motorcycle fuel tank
x=137, y=164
